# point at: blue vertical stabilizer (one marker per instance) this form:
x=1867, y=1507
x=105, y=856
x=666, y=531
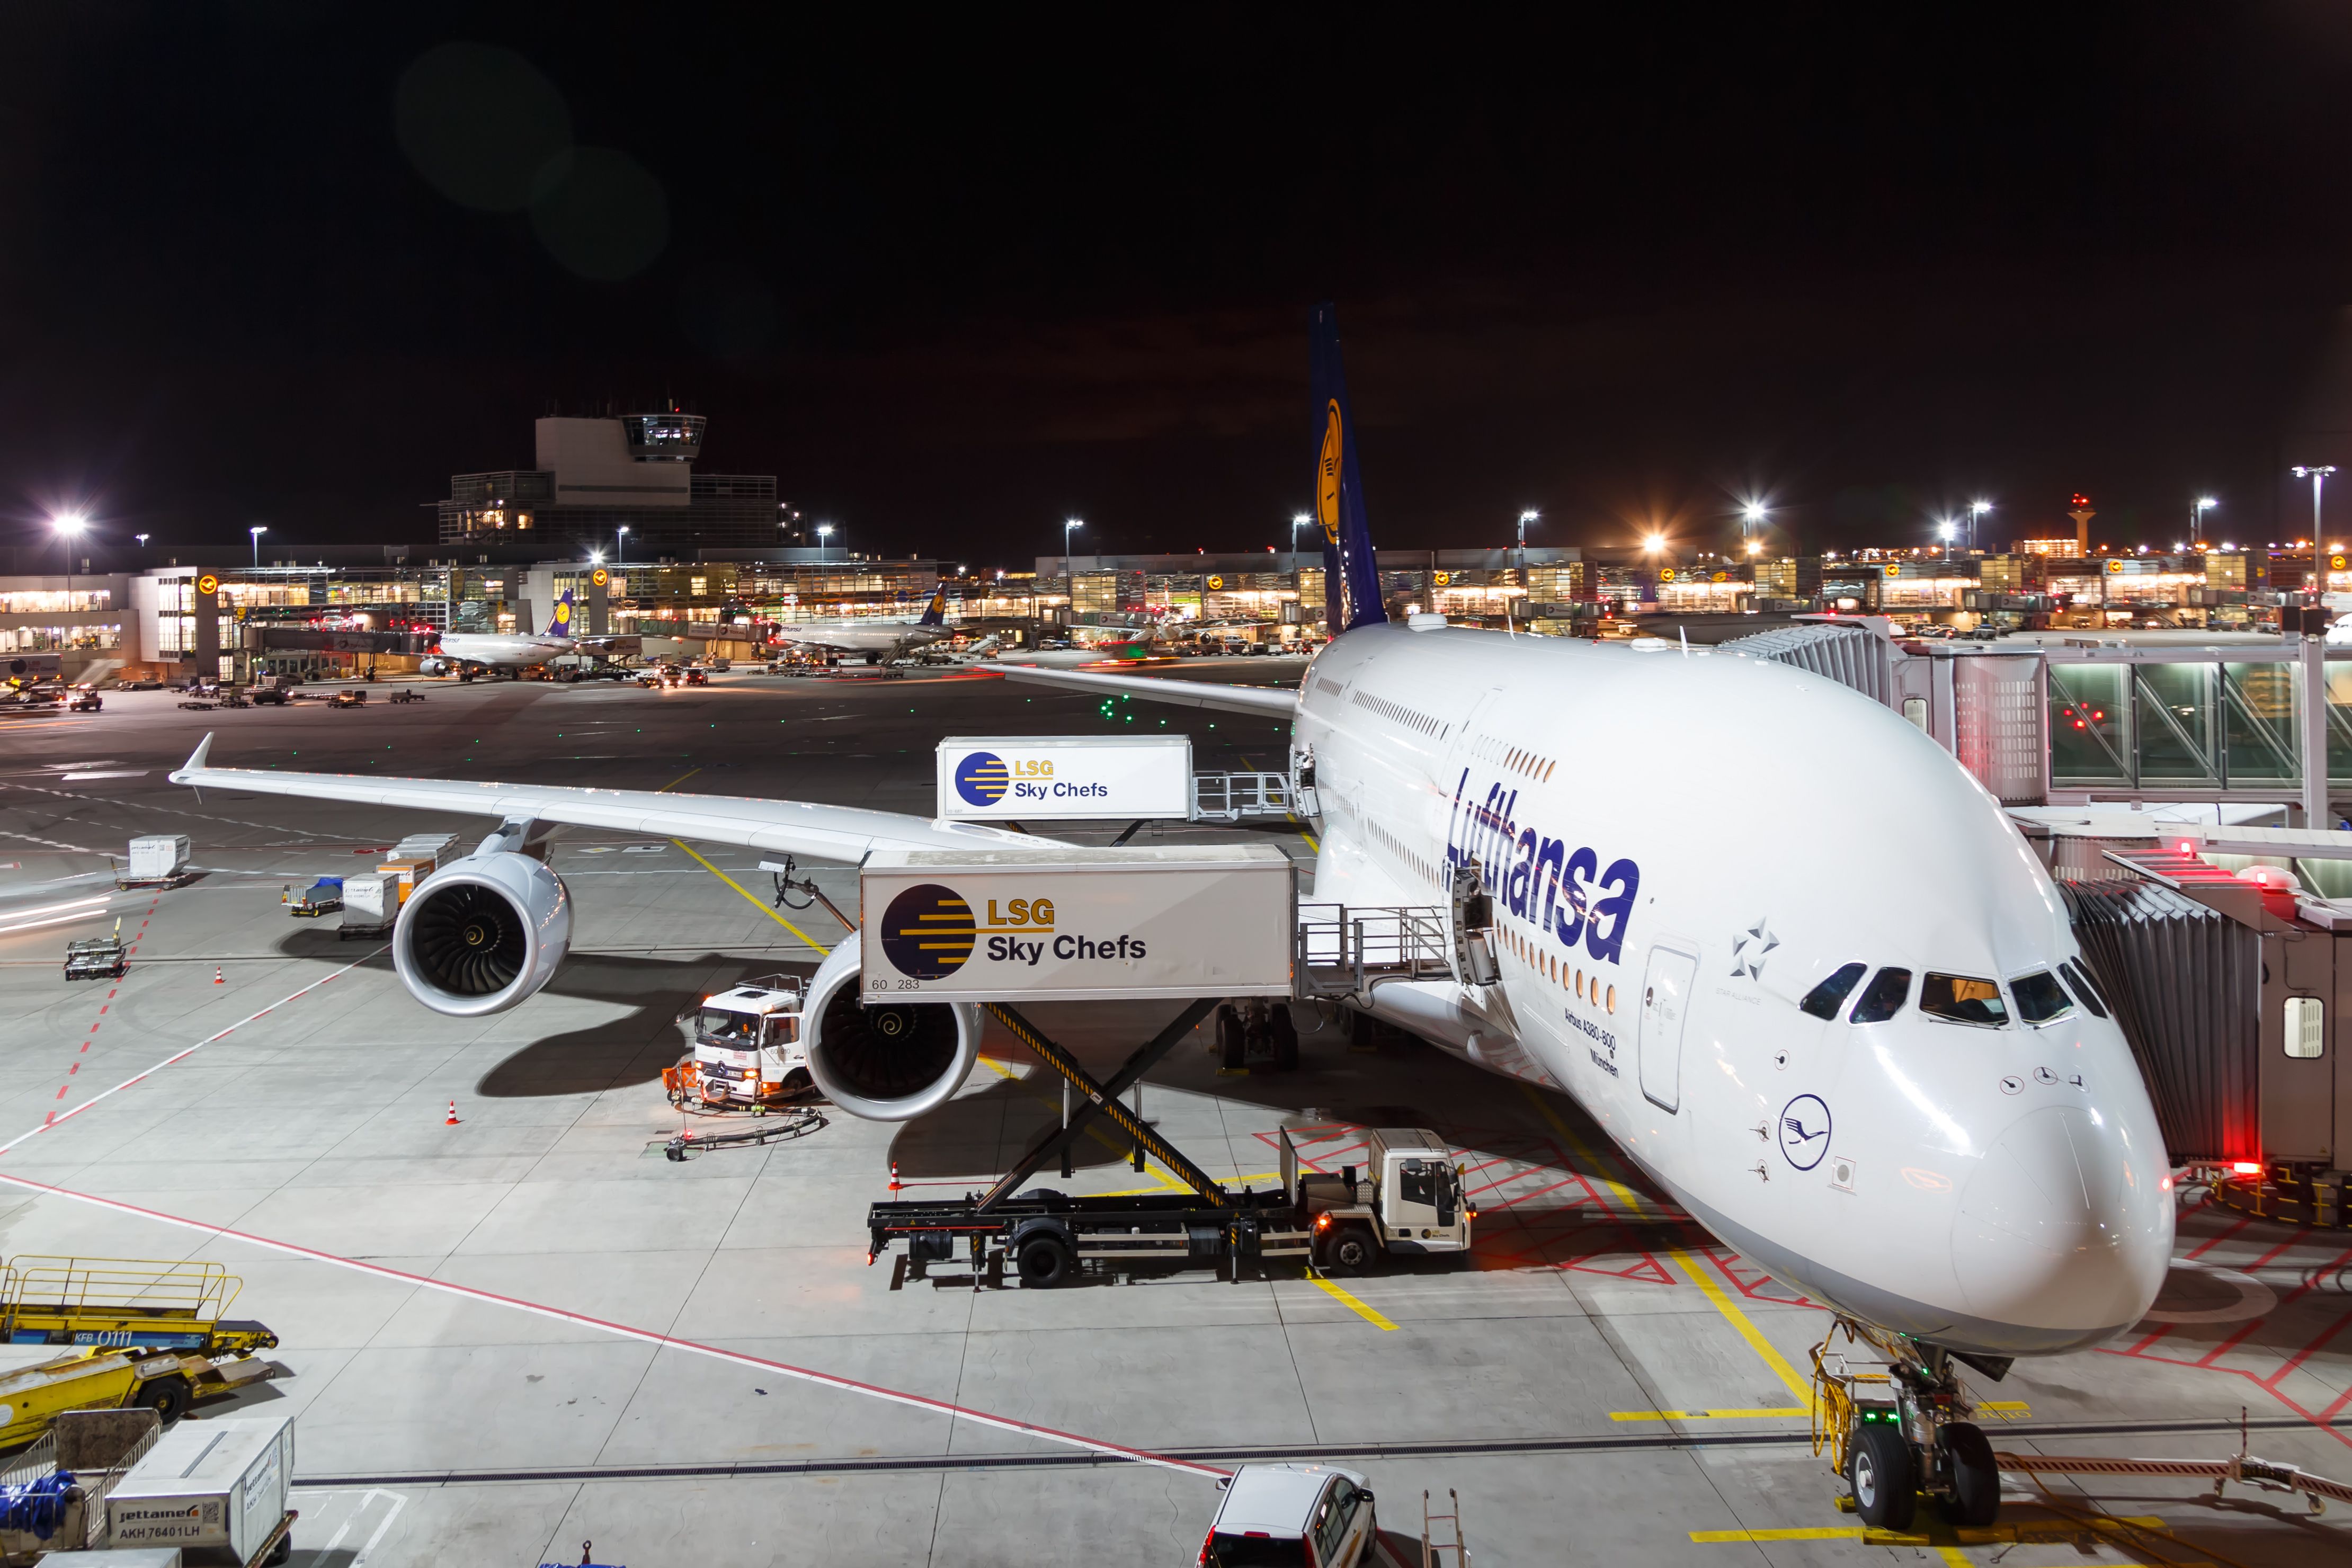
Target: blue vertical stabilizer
x=1352, y=575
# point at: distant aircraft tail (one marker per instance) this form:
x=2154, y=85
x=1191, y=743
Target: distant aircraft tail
x=561, y=625
x=1352, y=577
x=935, y=614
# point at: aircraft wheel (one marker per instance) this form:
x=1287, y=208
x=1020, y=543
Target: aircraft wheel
x=1879, y=1470
x=1231, y=1047
x=1975, y=1499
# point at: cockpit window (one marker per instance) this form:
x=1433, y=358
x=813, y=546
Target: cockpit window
x=1882, y=998
x=1963, y=1000
x=2039, y=997
x=2078, y=979
x=1824, y=1000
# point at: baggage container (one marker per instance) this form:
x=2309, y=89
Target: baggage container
x=1078, y=925
x=371, y=904
x=157, y=857
x=438, y=847
x=207, y=1483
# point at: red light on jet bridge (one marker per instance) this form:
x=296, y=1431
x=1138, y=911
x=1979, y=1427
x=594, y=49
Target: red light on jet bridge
x=2246, y=1167
x=2188, y=846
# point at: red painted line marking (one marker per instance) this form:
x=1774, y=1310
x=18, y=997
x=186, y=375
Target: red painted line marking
x=2217, y=1241
x=101, y=1009
x=643, y=1336
x=54, y=1119
x=2302, y=1355
x=2267, y=1256
x=69, y=1072
x=2136, y=1349
x=2231, y=1343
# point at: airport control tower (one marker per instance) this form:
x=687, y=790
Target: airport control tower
x=597, y=476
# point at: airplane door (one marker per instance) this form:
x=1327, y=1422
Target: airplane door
x=1665, y=998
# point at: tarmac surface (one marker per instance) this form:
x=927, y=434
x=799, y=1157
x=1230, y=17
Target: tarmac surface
x=528, y=1331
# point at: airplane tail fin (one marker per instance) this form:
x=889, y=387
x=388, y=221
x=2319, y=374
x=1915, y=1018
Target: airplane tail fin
x=1352, y=577
x=561, y=625
x=935, y=614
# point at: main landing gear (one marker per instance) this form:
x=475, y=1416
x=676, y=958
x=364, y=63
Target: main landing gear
x=1901, y=1432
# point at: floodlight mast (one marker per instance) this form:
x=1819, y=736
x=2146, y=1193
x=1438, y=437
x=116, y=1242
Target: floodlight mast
x=2317, y=474
x=257, y=531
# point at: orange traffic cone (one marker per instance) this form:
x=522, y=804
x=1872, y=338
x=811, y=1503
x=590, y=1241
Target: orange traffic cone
x=895, y=1185
x=216, y=975
x=453, y=1115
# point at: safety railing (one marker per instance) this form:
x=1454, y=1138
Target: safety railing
x=1340, y=950
x=1230, y=797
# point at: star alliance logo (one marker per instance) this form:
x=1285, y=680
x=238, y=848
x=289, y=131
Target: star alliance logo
x=1748, y=951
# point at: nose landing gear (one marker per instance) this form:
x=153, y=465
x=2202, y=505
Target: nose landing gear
x=1901, y=1431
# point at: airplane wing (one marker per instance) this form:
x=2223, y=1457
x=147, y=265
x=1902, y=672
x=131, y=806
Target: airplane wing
x=784, y=826
x=1265, y=702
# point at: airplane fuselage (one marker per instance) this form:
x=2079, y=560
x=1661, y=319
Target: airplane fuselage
x=863, y=636
x=504, y=650
x=1680, y=847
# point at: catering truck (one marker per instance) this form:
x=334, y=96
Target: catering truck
x=1404, y=1200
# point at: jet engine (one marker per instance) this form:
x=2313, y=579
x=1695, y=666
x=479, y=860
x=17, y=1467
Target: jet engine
x=429, y=666
x=889, y=1061
x=482, y=933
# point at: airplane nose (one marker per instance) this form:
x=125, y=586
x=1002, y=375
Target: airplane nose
x=2064, y=1233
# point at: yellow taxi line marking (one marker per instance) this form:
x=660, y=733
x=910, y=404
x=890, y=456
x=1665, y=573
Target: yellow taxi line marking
x=1356, y=1306
x=678, y=780
x=754, y=902
x=1743, y=1537
x=1748, y=1330
x=1631, y=1201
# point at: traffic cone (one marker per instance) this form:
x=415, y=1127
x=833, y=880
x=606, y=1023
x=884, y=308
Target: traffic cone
x=895, y=1185
x=216, y=975
x=453, y=1115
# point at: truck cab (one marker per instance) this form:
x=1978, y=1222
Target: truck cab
x=748, y=1047
x=1408, y=1199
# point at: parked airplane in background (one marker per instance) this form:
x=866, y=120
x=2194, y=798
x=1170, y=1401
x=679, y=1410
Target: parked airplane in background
x=878, y=638
x=470, y=647
x=1917, y=1111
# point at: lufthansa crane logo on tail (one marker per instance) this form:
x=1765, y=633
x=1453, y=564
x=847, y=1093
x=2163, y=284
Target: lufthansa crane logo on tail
x=564, y=611
x=1327, y=473
x=1804, y=1129
x=981, y=778
x=928, y=931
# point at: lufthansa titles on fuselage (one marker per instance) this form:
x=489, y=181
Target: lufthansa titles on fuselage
x=1561, y=891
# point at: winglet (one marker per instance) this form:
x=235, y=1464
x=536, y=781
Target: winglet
x=195, y=762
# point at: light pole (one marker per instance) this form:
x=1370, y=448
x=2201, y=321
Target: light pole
x=824, y=532
x=2317, y=474
x=70, y=525
x=1751, y=516
x=1298, y=519
x=1069, y=526
x=257, y=530
x=621, y=546
x=1977, y=509
x=142, y=539
x=2197, y=511
x=1527, y=516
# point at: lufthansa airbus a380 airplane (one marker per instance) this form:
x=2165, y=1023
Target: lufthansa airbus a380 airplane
x=1905, y=1098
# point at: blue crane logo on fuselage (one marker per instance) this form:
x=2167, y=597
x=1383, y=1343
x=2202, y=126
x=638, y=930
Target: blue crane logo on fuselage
x=1805, y=1131
x=928, y=931
x=983, y=778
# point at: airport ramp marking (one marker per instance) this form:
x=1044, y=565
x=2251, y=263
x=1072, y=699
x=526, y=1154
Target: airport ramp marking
x=755, y=903
x=642, y=1336
x=1353, y=1302
x=58, y=1118
x=1765, y=1350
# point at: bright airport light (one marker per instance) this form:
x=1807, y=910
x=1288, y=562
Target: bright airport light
x=1655, y=543
x=257, y=530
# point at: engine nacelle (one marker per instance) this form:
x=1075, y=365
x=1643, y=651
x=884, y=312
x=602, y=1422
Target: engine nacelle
x=889, y=1062
x=430, y=666
x=482, y=933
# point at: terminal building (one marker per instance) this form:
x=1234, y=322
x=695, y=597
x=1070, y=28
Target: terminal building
x=625, y=485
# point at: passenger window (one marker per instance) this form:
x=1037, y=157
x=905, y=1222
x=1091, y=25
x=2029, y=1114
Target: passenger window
x=2078, y=976
x=1824, y=1000
x=2306, y=1024
x=1882, y=998
x=1963, y=1000
x=2040, y=998
x=1330, y=1528
x=1417, y=1183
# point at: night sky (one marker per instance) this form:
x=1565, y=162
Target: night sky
x=954, y=281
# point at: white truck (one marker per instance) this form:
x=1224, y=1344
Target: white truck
x=746, y=1047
